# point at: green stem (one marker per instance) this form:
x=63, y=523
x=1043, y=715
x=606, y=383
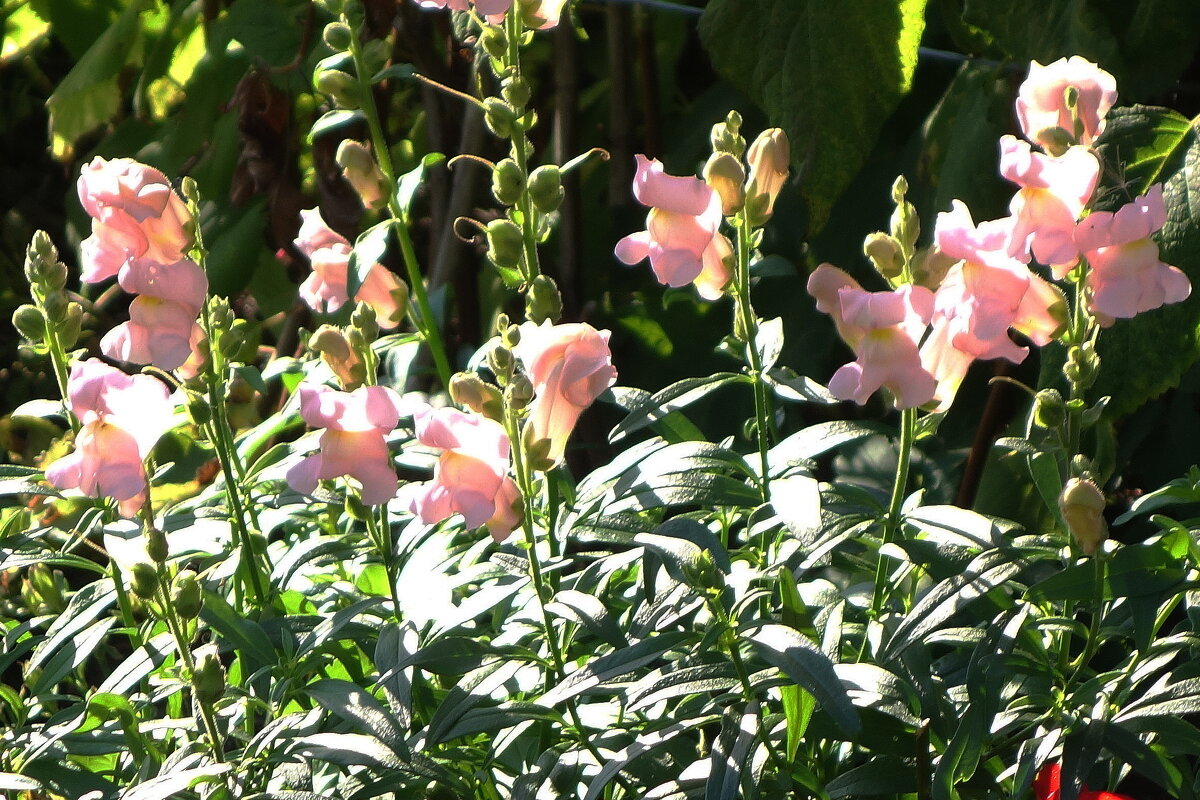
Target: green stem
x=762, y=408
x=522, y=154
x=908, y=429
x=426, y=322
x=382, y=539
x=58, y=358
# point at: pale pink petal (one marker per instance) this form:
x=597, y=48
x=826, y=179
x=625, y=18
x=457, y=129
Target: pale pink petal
x=182, y=282
x=1041, y=101
x=379, y=291
x=682, y=195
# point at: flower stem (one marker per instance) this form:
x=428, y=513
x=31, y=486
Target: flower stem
x=522, y=153
x=425, y=320
x=749, y=325
x=908, y=429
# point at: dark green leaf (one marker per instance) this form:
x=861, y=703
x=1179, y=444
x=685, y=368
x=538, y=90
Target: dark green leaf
x=730, y=752
x=354, y=705
x=804, y=663
x=613, y=665
x=828, y=73
x=410, y=182
x=678, y=395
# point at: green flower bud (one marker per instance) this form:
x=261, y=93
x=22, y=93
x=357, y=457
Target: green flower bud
x=375, y=54
x=511, y=336
x=339, y=85
x=233, y=338
x=338, y=36
x=185, y=595
x=725, y=136
x=156, y=545
x=54, y=277
x=1083, y=365
x=1049, y=410
x=502, y=323
x=508, y=181
x=543, y=301
x=906, y=225
x=199, y=410
x=885, y=253
x=516, y=91
x=70, y=326
x=470, y=391
x=499, y=117
x=494, y=42
x=546, y=189
x=364, y=320
x=209, y=680
x=519, y=392
x=505, y=243
x=30, y=323
x=726, y=176
x=55, y=307
x=1082, y=506
x=500, y=362
x=144, y=578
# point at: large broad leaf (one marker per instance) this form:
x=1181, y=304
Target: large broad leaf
x=1144, y=356
x=828, y=73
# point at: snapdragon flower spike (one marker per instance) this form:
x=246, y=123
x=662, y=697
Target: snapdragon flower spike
x=681, y=238
x=493, y=10
x=326, y=289
x=1042, y=104
x=1053, y=193
x=983, y=295
x=1126, y=275
x=122, y=418
x=569, y=365
x=883, y=329
x=353, y=442
x=471, y=477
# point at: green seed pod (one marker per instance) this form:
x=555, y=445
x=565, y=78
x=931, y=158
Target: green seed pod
x=500, y=362
x=375, y=54
x=543, y=301
x=338, y=36
x=546, y=189
x=508, y=181
x=199, y=410
x=156, y=545
x=55, y=307
x=1083, y=365
x=499, y=117
x=505, y=243
x=511, y=336
x=70, y=326
x=30, y=323
x=185, y=595
x=209, y=679
x=1082, y=506
x=516, y=91
x=1049, y=410
x=144, y=579
x=364, y=320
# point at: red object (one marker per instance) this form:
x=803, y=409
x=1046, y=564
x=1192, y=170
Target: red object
x=1046, y=787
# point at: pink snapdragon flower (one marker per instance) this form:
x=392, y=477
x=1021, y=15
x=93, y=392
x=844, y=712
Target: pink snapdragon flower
x=982, y=296
x=570, y=365
x=1126, y=275
x=135, y=214
x=471, y=476
x=1054, y=192
x=681, y=238
x=492, y=9
x=122, y=418
x=1042, y=103
x=159, y=332
x=883, y=329
x=353, y=442
x=326, y=289
x=549, y=12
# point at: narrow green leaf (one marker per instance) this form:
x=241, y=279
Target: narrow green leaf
x=804, y=663
x=354, y=705
x=674, y=397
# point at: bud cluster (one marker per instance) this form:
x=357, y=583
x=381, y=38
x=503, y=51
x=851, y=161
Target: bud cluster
x=53, y=315
x=768, y=158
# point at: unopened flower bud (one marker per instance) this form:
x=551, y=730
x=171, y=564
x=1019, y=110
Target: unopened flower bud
x=54, y=277
x=500, y=362
x=233, y=339
x=338, y=36
x=1083, y=365
x=361, y=172
x=209, y=679
x=144, y=579
x=375, y=54
x=30, y=323
x=470, y=391
x=546, y=189
x=363, y=319
x=1082, y=507
x=511, y=336
x=725, y=136
x=339, y=85
x=906, y=225
x=508, y=181
x=505, y=243
x=342, y=359
x=726, y=176
x=502, y=323
x=198, y=409
x=519, y=391
x=185, y=594
x=494, y=41
x=499, y=117
x=769, y=158
x=70, y=326
x=55, y=306
x=156, y=545
x=1049, y=410
x=543, y=301
x=885, y=253
x=44, y=583
x=516, y=91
